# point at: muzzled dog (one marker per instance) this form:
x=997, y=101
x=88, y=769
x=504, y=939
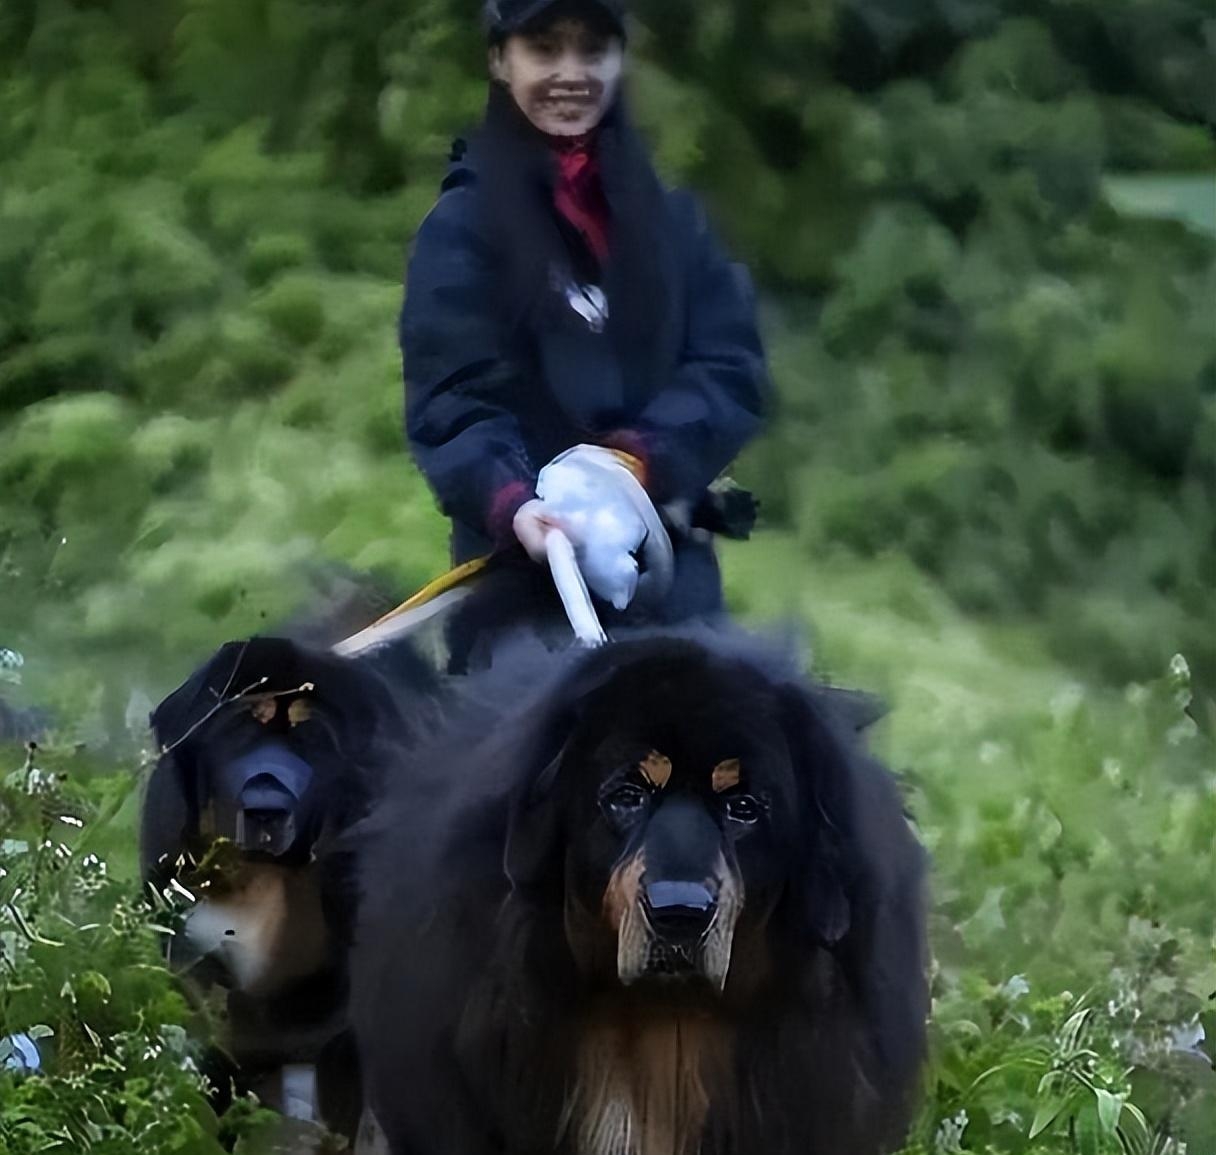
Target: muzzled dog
x=669, y=907
x=270, y=752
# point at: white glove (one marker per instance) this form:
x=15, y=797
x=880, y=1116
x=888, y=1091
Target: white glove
x=603, y=509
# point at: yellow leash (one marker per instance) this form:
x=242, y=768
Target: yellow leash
x=428, y=601
x=433, y=589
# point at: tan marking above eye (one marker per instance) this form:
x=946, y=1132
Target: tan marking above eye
x=264, y=709
x=727, y=775
x=656, y=769
x=299, y=711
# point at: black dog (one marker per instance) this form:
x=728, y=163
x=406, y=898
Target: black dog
x=668, y=906
x=270, y=752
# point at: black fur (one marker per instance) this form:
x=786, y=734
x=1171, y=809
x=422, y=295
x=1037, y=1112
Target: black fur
x=358, y=723
x=466, y=993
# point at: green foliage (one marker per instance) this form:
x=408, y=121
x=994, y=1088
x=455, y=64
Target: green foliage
x=81, y=978
x=80, y=974
x=1183, y=197
x=982, y=231
x=1073, y=835
x=983, y=365
x=980, y=362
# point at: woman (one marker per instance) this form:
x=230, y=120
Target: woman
x=558, y=295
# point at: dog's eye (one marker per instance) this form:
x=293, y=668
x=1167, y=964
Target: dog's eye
x=627, y=798
x=743, y=808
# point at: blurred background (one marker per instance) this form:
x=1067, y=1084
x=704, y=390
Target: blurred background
x=984, y=234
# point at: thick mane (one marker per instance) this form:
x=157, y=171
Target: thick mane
x=476, y=1030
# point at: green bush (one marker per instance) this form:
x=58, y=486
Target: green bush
x=980, y=361
x=983, y=234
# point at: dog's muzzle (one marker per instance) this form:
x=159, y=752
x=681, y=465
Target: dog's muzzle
x=679, y=916
x=675, y=902
x=261, y=798
x=679, y=913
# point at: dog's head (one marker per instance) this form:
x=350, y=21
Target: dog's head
x=691, y=805
x=269, y=752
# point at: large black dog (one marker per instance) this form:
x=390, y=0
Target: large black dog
x=650, y=900
x=270, y=752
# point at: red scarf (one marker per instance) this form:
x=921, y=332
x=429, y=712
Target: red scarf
x=579, y=192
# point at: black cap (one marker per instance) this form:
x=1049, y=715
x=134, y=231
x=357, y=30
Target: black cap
x=505, y=17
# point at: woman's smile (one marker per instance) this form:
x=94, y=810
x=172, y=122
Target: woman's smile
x=568, y=100
x=564, y=77
x=579, y=94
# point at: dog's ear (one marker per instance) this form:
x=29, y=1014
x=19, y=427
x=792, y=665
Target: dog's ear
x=536, y=750
x=534, y=827
x=863, y=889
x=541, y=745
x=825, y=904
x=169, y=812
x=165, y=819
x=885, y=955
x=819, y=758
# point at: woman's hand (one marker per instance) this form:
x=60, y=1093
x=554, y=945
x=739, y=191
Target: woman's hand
x=532, y=524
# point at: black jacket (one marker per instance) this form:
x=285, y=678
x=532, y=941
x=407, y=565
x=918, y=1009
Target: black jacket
x=491, y=398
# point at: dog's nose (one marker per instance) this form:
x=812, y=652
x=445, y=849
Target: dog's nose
x=680, y=912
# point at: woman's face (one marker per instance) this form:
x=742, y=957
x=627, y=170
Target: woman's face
x=564, y=75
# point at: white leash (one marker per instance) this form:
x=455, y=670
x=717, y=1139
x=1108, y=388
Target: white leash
x=572, y=589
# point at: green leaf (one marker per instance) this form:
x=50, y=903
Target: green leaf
x=1109, y=1108
x=1045, y=1114
x=1134, y=1130
x=1074, y=1030
x=1088, y=1130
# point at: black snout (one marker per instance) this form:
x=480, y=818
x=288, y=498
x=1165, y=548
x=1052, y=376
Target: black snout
x=261, y=799
x=266, y=829
x=683, y=843
x=266, y=820
x=680, y=912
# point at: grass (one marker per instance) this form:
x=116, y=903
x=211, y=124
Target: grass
x=1072, y=829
